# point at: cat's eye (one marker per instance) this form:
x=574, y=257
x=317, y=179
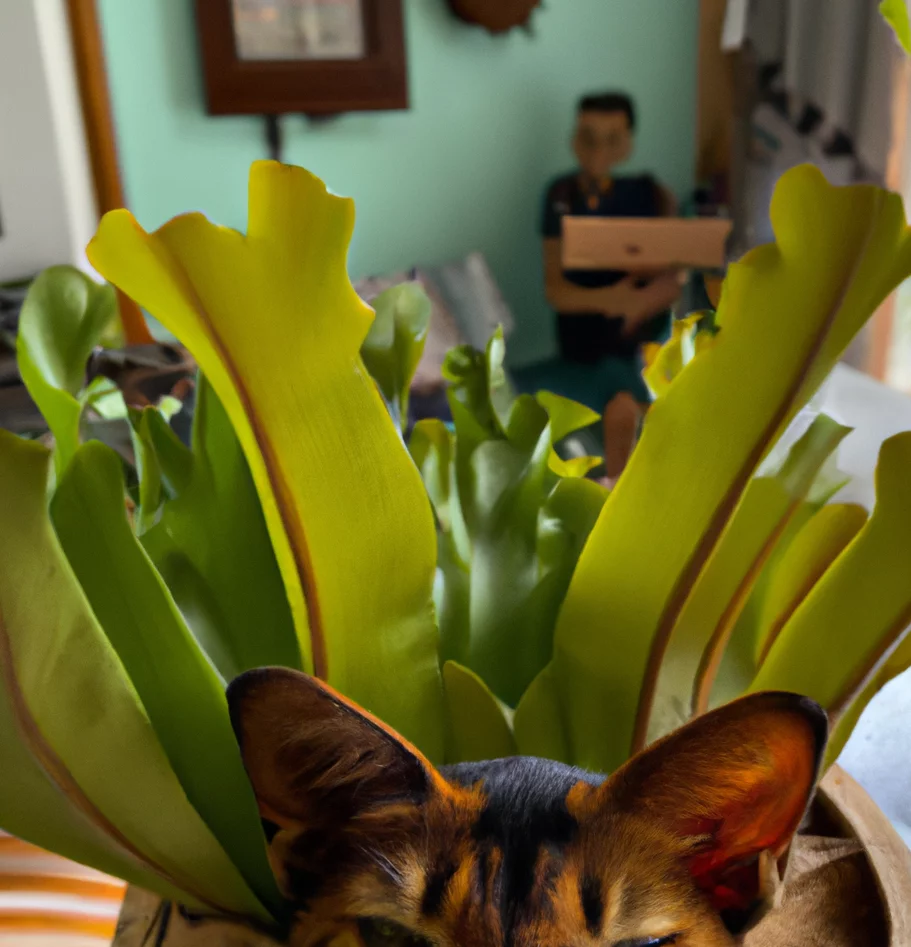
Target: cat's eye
x=650, y=941
x=378, y=932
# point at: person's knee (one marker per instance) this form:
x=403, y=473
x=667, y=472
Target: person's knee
x=621, y=419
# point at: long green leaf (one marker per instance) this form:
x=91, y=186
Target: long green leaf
x=178, y=687
x=804, y=563
x=103, y=397
x=431, y=447
x=148, y=471
x=77, y=712
x=33, y=806
x=175, y=459
x=479, y=389
x=738, y=666
x=511, y=528
x=212, y=548
x=452, y=599
x=663, y=363
x=538, y=722
x=64, y=317
x=479, y=726
x=566, y=417
x=276, y=326
x=739, y=663
x=853, y=617
x=507, y=643
x=758, y=527
x=395, y=342
x=895, y=13
x=787, y=312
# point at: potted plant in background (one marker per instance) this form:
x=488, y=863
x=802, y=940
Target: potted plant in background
x=525, y=611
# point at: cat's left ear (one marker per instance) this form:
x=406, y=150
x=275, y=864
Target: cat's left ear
x=313, y=756
x=342, y=792
x=733, y=785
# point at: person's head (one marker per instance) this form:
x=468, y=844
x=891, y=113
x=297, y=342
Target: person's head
x=604, y=132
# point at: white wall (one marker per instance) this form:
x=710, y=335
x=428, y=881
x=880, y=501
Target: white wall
x=47, y=211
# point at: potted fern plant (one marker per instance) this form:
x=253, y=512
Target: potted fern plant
x=471, y=590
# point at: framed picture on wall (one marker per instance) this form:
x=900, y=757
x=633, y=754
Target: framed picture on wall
x=317, y=57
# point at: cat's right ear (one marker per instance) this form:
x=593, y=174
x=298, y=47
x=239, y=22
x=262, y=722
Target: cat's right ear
x=732, y=786
x=313, y=757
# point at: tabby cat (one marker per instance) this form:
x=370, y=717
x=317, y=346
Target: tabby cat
x=675, y=848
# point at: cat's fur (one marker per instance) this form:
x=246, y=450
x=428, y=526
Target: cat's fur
x=676, y=847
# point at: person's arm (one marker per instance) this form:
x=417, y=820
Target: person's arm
x=655, y=297
x=628, y=298
x=564, y=296
x=568, y=298
x=668, y=205
x=645, y=317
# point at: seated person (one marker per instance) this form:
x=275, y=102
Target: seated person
x=603, y=314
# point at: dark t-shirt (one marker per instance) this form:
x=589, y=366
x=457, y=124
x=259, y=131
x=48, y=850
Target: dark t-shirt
x=588, y=337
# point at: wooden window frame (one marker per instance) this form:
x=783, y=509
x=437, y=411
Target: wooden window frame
x=882, y=326
x=98, y=119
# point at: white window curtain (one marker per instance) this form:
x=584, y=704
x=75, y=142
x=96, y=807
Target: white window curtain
x=822, y=92
x=832, y=61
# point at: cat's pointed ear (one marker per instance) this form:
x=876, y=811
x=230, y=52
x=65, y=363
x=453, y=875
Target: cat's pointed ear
x=313, y=756
x=731, y=785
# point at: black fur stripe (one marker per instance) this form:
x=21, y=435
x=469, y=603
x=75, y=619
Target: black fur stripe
x=435, y=890
x=592, y=904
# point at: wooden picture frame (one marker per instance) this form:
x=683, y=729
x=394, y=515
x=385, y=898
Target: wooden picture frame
x=375, y=80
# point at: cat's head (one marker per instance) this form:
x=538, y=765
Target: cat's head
x=672, y=849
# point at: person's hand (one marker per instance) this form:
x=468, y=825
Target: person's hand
x=621, y=299
x=641, y=303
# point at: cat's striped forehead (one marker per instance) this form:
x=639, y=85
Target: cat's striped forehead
x=519, y=863
x=506, y=855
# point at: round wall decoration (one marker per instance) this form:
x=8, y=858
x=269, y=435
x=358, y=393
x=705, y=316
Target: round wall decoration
x=498, y=17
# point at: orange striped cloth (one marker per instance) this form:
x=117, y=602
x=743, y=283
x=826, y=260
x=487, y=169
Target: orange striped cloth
x=47, y=901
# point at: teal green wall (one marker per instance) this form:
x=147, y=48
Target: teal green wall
x=462, y=170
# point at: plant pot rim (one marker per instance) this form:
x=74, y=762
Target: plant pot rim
x=889, y=857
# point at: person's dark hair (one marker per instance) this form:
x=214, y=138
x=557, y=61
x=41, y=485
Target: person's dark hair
x=610, y=102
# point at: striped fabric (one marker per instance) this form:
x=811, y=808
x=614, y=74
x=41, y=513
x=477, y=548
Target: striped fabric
x=47, y=901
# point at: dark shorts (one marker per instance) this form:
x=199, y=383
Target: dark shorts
x=593, y=384
x=588, y=338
